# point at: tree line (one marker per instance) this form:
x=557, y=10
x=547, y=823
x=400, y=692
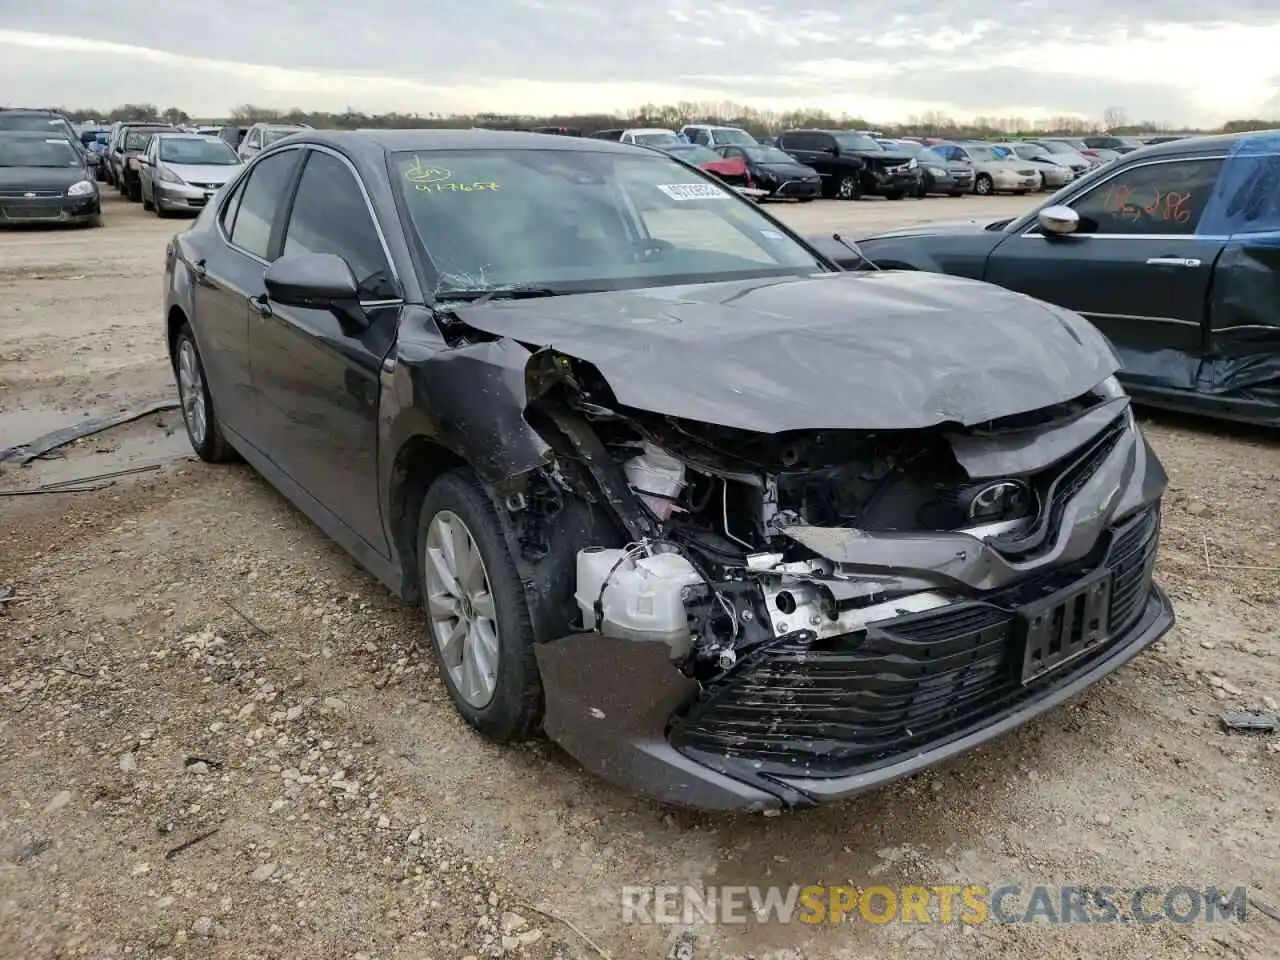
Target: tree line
x=673, y=115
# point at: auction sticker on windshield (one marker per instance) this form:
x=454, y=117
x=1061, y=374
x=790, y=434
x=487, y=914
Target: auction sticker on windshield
x=693, y=191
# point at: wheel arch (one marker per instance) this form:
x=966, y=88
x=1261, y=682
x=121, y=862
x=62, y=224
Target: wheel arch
x=418, y=462
x=174, y=321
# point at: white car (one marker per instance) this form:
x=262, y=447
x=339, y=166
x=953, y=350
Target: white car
x=713, y=135
x=1053, y=174
x=650, y=136
x=993, y=171
x=262, y=135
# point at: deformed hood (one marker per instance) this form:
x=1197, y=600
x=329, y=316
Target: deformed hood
x=873, y=350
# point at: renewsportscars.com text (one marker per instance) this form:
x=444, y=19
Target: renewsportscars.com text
x=969, y=904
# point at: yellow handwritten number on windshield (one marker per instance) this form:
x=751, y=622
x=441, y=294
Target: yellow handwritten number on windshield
x=477, y=187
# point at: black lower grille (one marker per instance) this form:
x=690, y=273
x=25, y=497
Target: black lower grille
x=863, y=699
x=18, y=211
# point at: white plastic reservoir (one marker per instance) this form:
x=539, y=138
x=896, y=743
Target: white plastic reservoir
x=642, y=601
x=658, y=473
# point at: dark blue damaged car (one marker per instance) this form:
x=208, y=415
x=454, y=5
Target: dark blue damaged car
x=739, y=529
x=1172, y=251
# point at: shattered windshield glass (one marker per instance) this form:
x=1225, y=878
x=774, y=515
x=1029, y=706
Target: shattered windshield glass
x=568, y=220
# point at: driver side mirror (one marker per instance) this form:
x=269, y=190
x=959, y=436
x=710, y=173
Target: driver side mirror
x=317, y=281
x=1058, y=221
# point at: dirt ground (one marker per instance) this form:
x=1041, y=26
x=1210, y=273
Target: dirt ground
x=187, y=660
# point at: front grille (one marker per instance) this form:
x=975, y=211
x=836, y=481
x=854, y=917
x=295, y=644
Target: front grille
x=9, y=193
x=862, y=700
x=18, y=211
x=206, y=186
x=798, y=188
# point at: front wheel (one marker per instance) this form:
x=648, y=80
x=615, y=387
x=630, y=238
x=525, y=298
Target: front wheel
x=849, y=187
x=984, y=186
x=475, y=603
x=203, y=429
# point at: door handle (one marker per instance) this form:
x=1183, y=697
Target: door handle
x=261, y=304
x=1172, y=262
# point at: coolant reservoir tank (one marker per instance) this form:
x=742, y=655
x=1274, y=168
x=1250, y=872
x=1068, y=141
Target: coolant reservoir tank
x=659, y=475
x=643, y=598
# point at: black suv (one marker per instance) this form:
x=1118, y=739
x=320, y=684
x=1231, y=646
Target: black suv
x=853, y=164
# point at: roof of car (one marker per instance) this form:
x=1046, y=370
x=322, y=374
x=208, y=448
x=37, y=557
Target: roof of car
x=31, y=135
x=1210, y=144
x=395, y=141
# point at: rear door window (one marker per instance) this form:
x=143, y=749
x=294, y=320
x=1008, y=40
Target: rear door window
x=263, y=197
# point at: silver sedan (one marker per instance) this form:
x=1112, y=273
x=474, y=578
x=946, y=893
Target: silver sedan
x=181, y=171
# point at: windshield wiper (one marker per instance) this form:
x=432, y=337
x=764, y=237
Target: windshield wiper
x=497, y=293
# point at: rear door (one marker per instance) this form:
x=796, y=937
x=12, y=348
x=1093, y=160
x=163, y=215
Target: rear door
x=1136, y=267
x=813, y=149
x=227, y=281
x=316, y=375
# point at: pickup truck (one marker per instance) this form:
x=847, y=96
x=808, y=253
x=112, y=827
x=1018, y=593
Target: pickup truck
x=1172, y=251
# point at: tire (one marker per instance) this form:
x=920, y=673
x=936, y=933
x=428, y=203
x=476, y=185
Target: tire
x=983, y=185
x=134, y=191
x=922, y=191
x=203, y=431
x=146, y=204
x=511, y=708
x=849, y=187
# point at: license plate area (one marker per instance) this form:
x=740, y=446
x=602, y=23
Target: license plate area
x=1060, y=627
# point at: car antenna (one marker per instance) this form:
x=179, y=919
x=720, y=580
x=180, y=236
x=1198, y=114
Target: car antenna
x=856, y=249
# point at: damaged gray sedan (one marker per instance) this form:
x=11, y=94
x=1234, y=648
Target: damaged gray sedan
x=738, y=529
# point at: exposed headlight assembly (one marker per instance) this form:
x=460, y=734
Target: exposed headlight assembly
x=82, y=188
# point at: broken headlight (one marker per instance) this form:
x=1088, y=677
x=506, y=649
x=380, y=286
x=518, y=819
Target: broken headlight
x=1109, y=388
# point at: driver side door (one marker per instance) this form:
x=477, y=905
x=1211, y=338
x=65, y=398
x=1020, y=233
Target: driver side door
x=317, y=375
x=1136, y=266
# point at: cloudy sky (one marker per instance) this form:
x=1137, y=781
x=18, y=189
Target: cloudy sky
x=1177, y=61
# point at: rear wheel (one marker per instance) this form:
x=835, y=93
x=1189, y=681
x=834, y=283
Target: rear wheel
x=203, y=429
x=480, y=625
x=849, y=187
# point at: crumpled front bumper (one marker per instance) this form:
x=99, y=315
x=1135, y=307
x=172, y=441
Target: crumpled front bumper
x=800, y=721
x=610, y=703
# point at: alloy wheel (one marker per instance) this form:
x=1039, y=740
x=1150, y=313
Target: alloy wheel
x=460, y=605
x=191, y=392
